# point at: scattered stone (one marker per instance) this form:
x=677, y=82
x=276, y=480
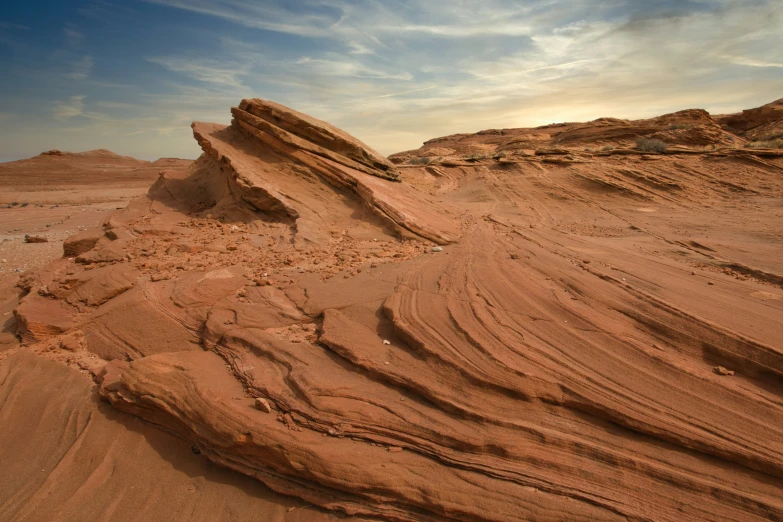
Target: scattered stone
x=514, y=256
x=720, y=370
x=35, y=239
x=386, y=342
x=436, y=249
x=263, y=405
x=710, y=283
x=71, y=342
x=231, y=247
x=194, y=449
x=693, y=273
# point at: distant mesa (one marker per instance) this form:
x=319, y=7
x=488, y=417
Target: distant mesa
x=97, y=153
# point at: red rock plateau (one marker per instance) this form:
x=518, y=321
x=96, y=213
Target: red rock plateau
x=518, y=324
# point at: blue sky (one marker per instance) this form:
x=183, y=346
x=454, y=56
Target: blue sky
x=131, y=75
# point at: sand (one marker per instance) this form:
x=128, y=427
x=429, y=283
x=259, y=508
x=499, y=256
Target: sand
x=518, y=324
x=57, y=194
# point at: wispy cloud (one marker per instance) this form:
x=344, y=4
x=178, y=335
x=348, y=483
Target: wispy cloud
x=73, y=37
x=359, y=48
x=751, y=62
x=407, y=92
x=81, y=68
x=74, y=106
x=336, y=67
x=271, y=16
x=10, y=25
x=207, y=71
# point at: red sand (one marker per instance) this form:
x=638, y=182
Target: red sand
x=597, y=335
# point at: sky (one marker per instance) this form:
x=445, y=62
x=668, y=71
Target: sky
x=131, y=75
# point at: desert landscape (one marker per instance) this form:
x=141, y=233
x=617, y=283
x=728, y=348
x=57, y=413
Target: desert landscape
x=578, y=321
x=57, y=194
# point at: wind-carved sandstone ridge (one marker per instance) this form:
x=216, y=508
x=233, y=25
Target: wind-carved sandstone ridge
x=566, y=354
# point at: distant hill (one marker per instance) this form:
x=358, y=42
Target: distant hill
x=101, y=166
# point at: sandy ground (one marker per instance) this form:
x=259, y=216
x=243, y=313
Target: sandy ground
x=56, y=194
x=55, y=223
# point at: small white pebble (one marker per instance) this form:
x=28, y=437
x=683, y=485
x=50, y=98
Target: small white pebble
x=386, y=342
x=436, y=249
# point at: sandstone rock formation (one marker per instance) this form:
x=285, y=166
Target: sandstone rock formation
x=280, y=309
x=756, y=123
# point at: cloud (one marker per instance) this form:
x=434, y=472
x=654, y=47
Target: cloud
x=333, y=67
x=74, y=106
x=751, y=62
x=10, y=25
x=81, y=68
x=359, y=48
x=208, y=71
x=73, y=37
x=271, y=16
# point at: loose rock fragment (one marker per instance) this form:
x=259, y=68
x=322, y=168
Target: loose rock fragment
x=263, y=405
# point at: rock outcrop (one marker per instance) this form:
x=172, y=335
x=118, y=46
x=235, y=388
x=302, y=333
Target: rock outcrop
x=316, y=136
x=271, y=155
x=756, y=119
